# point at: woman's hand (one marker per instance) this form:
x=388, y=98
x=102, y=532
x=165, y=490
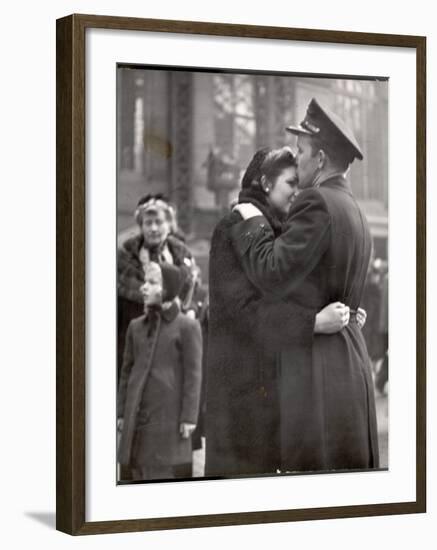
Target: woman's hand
x=361, y=317
x=247, y=210
x=331, y=318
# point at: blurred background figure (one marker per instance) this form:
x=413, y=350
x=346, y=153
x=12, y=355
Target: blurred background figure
x=375, y=302
x=382, y=373
x=371, y=302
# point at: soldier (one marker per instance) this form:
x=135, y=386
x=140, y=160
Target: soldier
x=327, y=405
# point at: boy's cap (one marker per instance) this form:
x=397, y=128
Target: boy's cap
x=173, y=278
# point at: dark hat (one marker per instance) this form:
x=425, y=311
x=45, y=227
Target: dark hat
x=173, y=278
x=150, y=196
x=329, y=128
x=153, y=203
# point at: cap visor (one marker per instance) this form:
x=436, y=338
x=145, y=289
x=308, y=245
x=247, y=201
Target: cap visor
x=298, y=130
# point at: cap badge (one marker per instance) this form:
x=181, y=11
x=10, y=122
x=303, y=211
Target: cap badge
x=310, y=127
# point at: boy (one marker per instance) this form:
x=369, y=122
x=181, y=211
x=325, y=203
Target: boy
x=159, y=390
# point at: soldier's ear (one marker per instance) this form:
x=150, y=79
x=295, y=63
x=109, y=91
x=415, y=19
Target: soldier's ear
x=321, y=159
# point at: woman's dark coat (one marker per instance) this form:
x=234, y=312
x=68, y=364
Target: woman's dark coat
x=242, y=408
x=159, y=388
x=328, y=418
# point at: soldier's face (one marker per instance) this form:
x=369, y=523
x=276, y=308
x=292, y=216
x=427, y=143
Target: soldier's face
x=283, y=190
x=307, y=164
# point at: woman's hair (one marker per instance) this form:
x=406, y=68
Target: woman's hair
x=156, y=202
x=269, y=163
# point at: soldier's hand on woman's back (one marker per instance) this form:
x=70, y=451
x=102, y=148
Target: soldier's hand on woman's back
x=332, y=318
x=247, y=210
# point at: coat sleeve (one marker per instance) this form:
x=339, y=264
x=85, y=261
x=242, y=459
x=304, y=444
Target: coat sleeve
x=192, y=367
x=280, y=265
x=128, y=361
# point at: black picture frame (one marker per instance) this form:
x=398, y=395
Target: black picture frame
x=71, y=252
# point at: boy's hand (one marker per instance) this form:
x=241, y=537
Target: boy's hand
x=186, y=429
x=120, y=423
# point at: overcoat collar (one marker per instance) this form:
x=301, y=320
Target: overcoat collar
x=338, y=181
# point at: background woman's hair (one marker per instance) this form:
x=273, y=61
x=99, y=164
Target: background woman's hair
x=269, y=163
x=160, y=202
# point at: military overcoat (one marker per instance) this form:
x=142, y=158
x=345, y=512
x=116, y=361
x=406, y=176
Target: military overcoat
x=327, y=404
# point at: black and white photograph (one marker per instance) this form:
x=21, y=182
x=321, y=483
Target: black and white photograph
x=252, y=274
